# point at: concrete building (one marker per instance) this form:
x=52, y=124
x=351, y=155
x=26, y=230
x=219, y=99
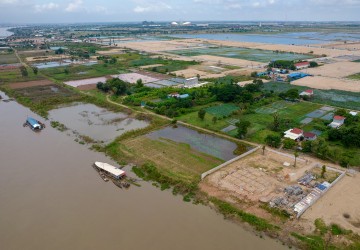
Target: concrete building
x=337, y=122
x=302, y=65
x=308, y=92
x=295, y=134
x=308, y=136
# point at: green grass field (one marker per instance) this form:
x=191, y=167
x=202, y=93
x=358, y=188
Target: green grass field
x=14, y=75
x=82, y=72
x=222, y=110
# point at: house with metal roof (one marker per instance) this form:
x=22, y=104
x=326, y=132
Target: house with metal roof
x=294, y=134
x=337, y=122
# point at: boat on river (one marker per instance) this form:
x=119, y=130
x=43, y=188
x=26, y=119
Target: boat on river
x=34, y=124
x=109, y=170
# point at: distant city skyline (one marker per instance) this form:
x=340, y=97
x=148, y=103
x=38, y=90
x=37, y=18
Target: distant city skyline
x=74, y=11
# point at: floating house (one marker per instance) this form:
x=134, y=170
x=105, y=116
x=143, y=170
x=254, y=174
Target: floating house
x=114, y=172
x=34, y=124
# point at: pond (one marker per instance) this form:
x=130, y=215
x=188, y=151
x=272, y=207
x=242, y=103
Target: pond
x=205, y=143
x=97, y=123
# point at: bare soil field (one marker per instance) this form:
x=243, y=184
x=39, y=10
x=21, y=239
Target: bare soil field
x=46, y=58
x=322, y=82
x=111, y=52
x=339, y=202
x=20, y=85
x=347, y=46
x=258, y=177
x=230, y=61
x=87, y=87
x=336, y=70
x=88, y=81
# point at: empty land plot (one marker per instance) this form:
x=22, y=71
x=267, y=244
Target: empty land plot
x=335, y=70
x=171, y=156
x=20, y=85
x=222, y=110
x=8, y=58
x=266, y=110
x=340, y=200
x=133, y=77
x=14, y=75
x=256, y=176
x=322, y=82
x=89, y=81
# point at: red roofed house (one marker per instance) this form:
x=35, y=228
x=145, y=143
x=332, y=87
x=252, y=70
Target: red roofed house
x=337, y=121
x=309, y=136
x=294, y=134
x=308, y=92
x=302, y=65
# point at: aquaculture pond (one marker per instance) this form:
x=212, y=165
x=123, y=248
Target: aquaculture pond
x=97, y=123
x=242, y=53
x=206, y=143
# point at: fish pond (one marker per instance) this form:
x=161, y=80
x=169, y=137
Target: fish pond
x=206, y=143
x=242, y=53
x=97, y=123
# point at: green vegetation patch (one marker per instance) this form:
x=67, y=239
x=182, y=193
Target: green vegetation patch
x=166, y=64
x=222, y=110
x=354, y=76
x=8, y=58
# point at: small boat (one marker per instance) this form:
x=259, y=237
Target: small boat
x=34, y=124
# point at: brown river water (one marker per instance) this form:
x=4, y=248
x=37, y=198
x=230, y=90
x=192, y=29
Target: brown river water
x=51, y=198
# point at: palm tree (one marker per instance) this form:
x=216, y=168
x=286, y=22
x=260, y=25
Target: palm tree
x=296, y=154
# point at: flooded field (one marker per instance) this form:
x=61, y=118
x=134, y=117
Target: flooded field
x=205, y=143
x=51, y=198
x=55, y=64
x=241, y=53
x=97, y=123
x=296, y=38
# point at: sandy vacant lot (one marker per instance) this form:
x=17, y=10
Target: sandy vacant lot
x=46, y=58
x=88, y=81
x=20, y=85
x=257, y=176
x=342, y=199
x=348, y=46
x=337, y=70
x=322, y=82
x=230, y=61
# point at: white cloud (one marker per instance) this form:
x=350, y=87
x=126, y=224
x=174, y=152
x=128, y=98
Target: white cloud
x=74, y=6
x=8, y=1
x=143, y=7
x=46, y=7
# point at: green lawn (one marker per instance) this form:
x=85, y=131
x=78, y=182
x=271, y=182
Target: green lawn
x=222, y=110
x=193, y=118
x=14, y=75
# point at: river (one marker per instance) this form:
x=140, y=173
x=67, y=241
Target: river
x=4, y=32
x=51, y=198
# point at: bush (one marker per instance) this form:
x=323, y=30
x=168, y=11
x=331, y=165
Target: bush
x=273, y=140
x=288, y=143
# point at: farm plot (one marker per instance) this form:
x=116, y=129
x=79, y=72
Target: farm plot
x=274, y=107
x=222, y=110
x=20, y=85
x=8, y=58
x=172, y=157
x=43, y=93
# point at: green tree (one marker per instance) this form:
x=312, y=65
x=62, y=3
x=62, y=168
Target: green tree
x=214, y=119
x=242, y=127
x=139, y=83
x=296, y=155
x=273, y=140
x=263, y=149
x=24, y=71
x=288, y=143
x=35, y=70
x=313, y=64
x=276, y=122
x=66, y=71
x=323, y=171
x=201, y=114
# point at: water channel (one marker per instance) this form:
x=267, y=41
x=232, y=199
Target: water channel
x=51, y=198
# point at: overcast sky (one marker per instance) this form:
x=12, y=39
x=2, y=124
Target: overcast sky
x=53, y=11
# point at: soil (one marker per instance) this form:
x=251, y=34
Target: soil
x=20, y=85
